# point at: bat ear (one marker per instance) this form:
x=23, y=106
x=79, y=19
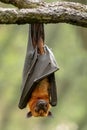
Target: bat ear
x=49, y=114
x=29, y=114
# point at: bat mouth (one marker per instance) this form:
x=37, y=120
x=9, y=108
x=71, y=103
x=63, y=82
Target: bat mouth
x=41, y=107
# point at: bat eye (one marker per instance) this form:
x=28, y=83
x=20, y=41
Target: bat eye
x=36, y=109
x=45, y=105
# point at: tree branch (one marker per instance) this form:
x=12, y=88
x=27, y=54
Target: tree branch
x=23, y=3
x=58, y=12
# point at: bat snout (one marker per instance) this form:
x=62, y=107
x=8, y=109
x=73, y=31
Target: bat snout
x=41, y=104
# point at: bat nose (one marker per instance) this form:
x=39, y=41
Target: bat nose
x=42, y=104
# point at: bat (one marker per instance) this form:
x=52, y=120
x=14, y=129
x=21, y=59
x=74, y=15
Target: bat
x=38, y=84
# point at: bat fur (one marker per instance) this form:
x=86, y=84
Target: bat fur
x=39, y=103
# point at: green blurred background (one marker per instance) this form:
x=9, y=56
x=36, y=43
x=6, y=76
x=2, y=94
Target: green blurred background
x=69, y=45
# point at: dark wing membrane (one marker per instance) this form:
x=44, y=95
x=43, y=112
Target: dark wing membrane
x=43, y=66
x=53, y=90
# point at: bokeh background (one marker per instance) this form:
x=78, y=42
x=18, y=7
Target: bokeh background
x=69, y=45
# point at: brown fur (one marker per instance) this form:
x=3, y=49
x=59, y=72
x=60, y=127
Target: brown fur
x=40, y=93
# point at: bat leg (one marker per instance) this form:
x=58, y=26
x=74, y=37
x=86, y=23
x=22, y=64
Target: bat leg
x=29, y=114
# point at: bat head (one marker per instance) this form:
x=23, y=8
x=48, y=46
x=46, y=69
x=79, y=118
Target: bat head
x=41, y=108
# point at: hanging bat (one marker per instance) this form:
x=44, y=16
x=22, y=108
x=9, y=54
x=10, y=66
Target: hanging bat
x=38, y=85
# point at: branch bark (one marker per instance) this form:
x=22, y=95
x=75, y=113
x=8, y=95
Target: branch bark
x=23, y=3
x=58, y=12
